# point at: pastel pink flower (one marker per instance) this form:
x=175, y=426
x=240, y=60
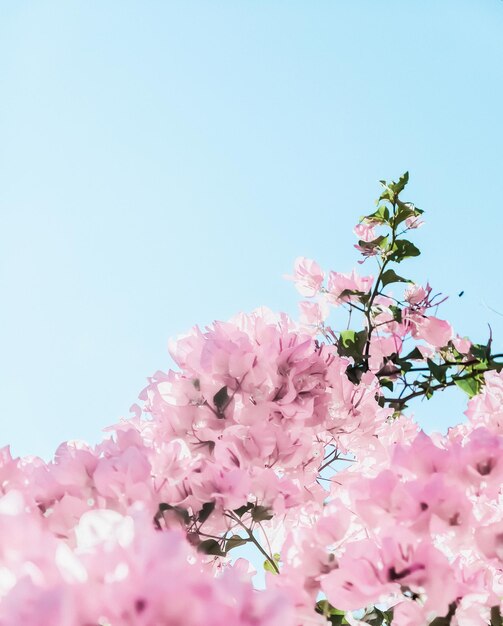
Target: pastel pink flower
x=313, y=313
x=365, y=231
x=338, y=284
x=490, y=540
x=414, y=221
x=308, y=277
x=434, y=331
x=415, y=294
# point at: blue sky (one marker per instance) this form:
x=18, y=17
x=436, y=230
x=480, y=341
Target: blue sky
x=163, y=163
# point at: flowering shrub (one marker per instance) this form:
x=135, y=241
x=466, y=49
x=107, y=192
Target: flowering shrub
x=290, y=438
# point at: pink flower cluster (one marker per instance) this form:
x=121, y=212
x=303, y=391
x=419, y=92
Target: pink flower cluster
x=262, y=437
x=390, y=333
x=118, y=570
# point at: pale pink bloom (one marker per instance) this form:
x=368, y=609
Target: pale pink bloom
x=358, y=581
x=313, y=313
x=415, y=294
x=308, y=277
x=365, y=231
x=408, y=613
x=462, y=344
x=490, y=540
x=381, y=347
x=486, y=409
x=340, y=283
x=414, y=221
x=434, y=331
x=427, y=352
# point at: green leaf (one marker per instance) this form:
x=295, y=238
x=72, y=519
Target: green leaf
x=352, y=292
x=268, y=566
x=471, y=386
x=415, y=354
x=380, y=242
x=480, y=352
x=181, y=513
x=397, y=313
x=446, y=619
x=400, y=185
x=234, y=542
x=496, y=619
x=333, y=615
x=376, y=617
x=352, y=343
x=381, y=215
x=210, y=546
x=403, y=249
x=390, y=276
x=392, y=190
x=261, y=513
x=404, y=211
x=205, y=512
x=221, y=399
x=437, y=371
x=243, y=509
x=354, y=373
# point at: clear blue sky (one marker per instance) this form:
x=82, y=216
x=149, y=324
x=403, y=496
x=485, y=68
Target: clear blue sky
x=163, y=163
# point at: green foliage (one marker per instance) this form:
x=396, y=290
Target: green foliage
x=390, y=276
x=221, y=400
x=352, y=343
x=269, y=567
x=471, y=386
x=260, y=513
x=234, y=542
x=403, y=249
x=211, y=547
x=205, y=512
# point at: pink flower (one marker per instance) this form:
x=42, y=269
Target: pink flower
x=414, y=221
x=415, y=294
x=313, y=313
x=338, y=284
x=308, y=277
x=490, y=540
x=434, y=331
x=462, y=344
x=365, y=231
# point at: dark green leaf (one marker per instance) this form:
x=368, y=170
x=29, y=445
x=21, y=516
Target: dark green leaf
x=404, y=211
x=437, y=371
x=446, y=620
x=390, y=276
x=234, y=542
x=381, y=215
x=352, y=343
x=205, y=512
x=261, y=513
x=496, y=619
x=403, y=249
x=479, y=351
x=376, y=617
x=400, y=185
x=380, y=242
x=179, y=512
x=354, y=373
x=397, y=313
x=210, y=546
x=221, y=399
x=243, y=509
x=414, y=355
